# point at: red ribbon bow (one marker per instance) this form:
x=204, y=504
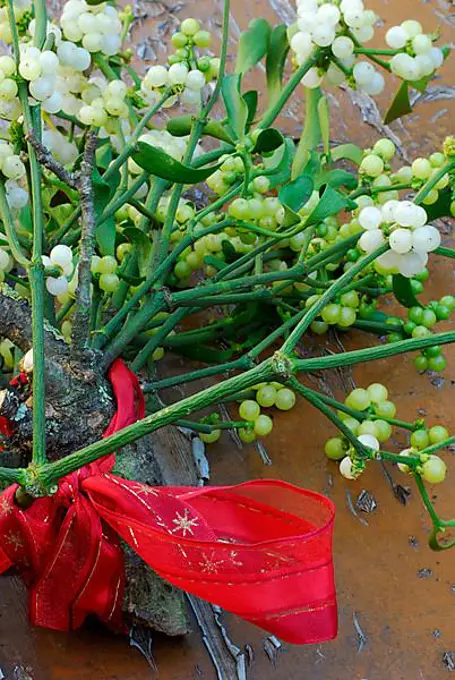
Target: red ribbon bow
x=262, y=550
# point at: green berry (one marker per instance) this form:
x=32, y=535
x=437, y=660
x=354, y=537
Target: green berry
x=347, y=317
x=107, y=265
x=384, y=431
x=415, y=314
x=432, y=352
x=190, y=26
x=109, y=282
x=421, y=363
x=331, y=313
x=359, y=399
x=350, y=299
x=202, y=39
x=416, y=287
x=434, y=470
x=335, y=448
x=179, y=39
x=182, y=270
x=419, y=439
x=438, y=434
x=437, y=364
x=249, y=410
x=421, y=332
x=352, y=424
x=239, y=209
x=368, y=427
x=285, y=399
x=263, y=426
x=266, y=396
x=409, y=327
x=442, y=312
x=429, y=318
x=378, y=393
x=210, y=438
x=385, y=409
x=319, y=327
x=247, y=435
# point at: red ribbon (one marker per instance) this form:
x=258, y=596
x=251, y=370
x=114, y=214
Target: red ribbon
x=262, y=550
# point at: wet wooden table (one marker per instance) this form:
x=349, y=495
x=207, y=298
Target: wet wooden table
x=396, y=597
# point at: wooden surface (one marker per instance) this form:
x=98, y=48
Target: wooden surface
x=396, y=597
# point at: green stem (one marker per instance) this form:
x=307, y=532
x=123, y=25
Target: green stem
x=275, y=110
x=39, y=36
x=239, y=364
x=373, y=353
x=434, y=179
x=311, y=134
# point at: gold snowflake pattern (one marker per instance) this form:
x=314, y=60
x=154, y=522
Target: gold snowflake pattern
x=145, y=489
x=5, y=507
x=210, y=565
x=184, y=523
x=14, y=540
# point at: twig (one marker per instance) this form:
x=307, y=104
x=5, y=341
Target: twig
x=45, y=157
x=81, y=323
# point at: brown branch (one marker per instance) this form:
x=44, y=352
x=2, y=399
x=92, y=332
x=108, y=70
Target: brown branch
x=81, y=320
x=45, y=158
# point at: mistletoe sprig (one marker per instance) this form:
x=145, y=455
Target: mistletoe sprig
x=123, y=232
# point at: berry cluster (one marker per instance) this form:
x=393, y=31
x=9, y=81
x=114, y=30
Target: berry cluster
x=186, y=74
x=409, y=236
x=110, y=103
x=21, y=9
x=98, y=26
x=419, y=58
x=335, y=25
x=60, y=258
x=9, y=104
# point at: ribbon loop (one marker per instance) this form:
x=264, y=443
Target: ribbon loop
x=262, y=550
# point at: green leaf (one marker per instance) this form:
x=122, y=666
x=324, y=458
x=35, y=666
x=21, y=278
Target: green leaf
x=158, y=163
x=276, y=59
x=229, y=251
x=337, y=178
x=402, y=290
x=441, y=207
x=105, y=232
x=331, y=203
x=350, y=152
x=253, y=45
x=324, y=123
x=215, y=262
x=181, y=127
x=296, y=193
x=278, y=166
x=400, y=106
x=143, y=247
x=236, y=106
x=251, y=99
x=268, y=140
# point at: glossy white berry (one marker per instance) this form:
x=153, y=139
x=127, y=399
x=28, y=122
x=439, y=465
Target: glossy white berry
x=405, y=66
x=61, y=255
x=328, y=14
x=42, y=88
x=54, y=103
x=195, y=80
x=370, y=218
x=396, y=37
x=369, y=441
x=12, y=167
x=406, y=213
x=302, y=44
x=437, y=56
x=312, y=79
x=371, y=240
x=178, y=74
x=57, y=286
x=157, y=76
x=411, y=264
x=27, y=361
x=323, y=35
x=342, y=47
x=376, y=85
x=346, y=468
x=400, y=240
x=363, y=72
x=412, y=27
x=388, y=210
x=426, y=239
